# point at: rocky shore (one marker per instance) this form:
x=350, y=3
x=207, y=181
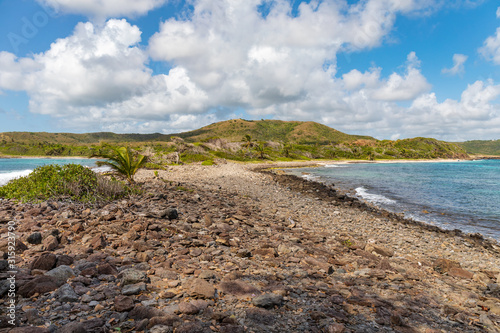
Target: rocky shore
x=235, y=248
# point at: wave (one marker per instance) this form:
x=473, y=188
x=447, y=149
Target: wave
x=8, y=176
x=335, y=166
x=373, y=198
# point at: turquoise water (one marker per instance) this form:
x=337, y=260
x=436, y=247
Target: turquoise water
x=461, y=195
x=11, y=168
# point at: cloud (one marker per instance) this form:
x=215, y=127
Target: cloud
x=491, y=46
x=458, y=65
x=102, y=9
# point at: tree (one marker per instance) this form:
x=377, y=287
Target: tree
x=262, y=149
x=121, y=160
x=247, y=141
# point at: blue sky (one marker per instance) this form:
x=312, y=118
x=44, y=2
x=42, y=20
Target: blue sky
x=386, y=68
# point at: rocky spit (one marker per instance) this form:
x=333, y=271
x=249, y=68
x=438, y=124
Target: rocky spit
x=235, y=248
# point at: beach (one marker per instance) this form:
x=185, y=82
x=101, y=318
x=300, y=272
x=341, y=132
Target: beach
x=244, y=248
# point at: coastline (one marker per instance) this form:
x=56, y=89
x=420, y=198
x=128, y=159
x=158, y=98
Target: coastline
x=248, y=249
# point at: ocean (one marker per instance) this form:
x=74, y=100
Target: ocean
x=461, y=195
x=11, y=168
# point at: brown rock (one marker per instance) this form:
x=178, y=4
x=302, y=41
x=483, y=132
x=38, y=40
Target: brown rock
x=145, y=312
x=265, y=252
x=188, y=308
x=64, y=260
x=98, y=242
x=168, y=320
x=322, y=265
x=50, y=243
x=336, y=328
x=123, y=303
x=460, y=273
x=238, y=288
x=40, y=285
x=383, y=251
x=444, y=265
x=46, y=262
x=107, y=269
x=201, y=289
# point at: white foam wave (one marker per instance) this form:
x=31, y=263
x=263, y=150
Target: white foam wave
x=373, y=198
x=309, y=177
x=8, y=176
x=334, y=166
x=101, y=169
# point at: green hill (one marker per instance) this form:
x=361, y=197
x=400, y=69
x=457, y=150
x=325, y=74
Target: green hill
x=481, y=147
x=271, y=130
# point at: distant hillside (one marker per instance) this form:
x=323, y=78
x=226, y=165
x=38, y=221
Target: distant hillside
x=75, y=139
x=480, y=147
x=271, y=130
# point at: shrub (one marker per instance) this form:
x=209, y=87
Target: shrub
x=63, y=182
x=207, y=162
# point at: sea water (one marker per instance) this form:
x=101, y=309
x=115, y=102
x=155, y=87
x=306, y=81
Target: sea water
x=461, y=195
x=11, y=168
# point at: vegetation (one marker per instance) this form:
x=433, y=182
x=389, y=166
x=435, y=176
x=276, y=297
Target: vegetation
x=121, y=160
x=63, y=182
x=238, y=140
x=480, y=147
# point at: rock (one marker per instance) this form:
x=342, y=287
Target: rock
x=123, y=303
x=34, y=238
x=324, y=266
x=98, y=242
x=335, y=328
x=267, y=300
x=192, y=327
x=132, y=276
x=50, y=243
x=4, y=264
x=73, y=327
x=460, y=273
x=133, y=289
x=265, y=252
x=238, y=288
x=166, y=320
x=201, y=289
x=46, y=261
x=61, y=274
x=64, y=260
x=145, y=312
x=161, y=329
x=188, y=308
x=106, y=269
x=66, y=294
x=383, y=251
x=260, y=316
x=38, y=285
x=444, y=265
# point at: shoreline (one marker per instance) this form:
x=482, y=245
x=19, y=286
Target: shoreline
x=244, y=248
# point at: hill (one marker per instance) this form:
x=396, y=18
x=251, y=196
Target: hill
x=271, y=130
x=271, y=139
x=481, y=147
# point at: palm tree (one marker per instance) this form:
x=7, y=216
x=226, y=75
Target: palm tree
x=247, y=141
x=262, y=149
x=121, y=160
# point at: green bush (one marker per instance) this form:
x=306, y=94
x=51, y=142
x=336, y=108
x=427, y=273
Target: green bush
x=63, y=182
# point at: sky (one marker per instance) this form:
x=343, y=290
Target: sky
x=391, y=69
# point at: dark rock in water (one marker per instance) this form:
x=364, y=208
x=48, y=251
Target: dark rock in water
x=46, y=262
x=40, y=285
x=34, y=238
